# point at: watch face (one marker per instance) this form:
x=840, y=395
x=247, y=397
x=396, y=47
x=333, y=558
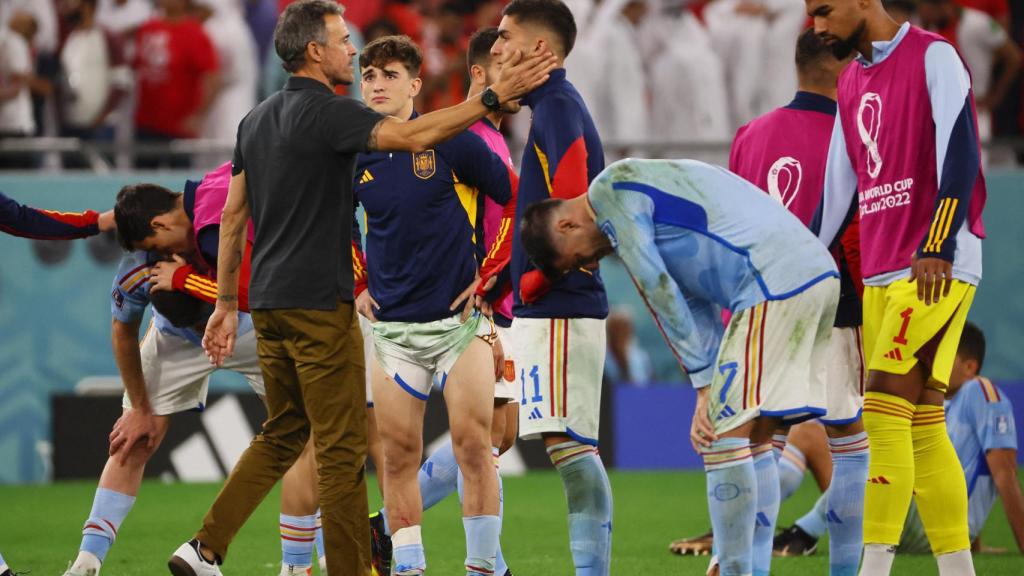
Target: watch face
x=490, y=99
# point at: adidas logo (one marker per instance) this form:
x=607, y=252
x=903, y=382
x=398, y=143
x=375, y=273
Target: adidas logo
x=832, y=517
x=366, y=177
x=208, y=455
x=878, y=480
x=725, y=413
x=762, y=520
x=535, y=414
x=894, y=354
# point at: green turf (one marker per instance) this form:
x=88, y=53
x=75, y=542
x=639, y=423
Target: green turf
x=40, y=529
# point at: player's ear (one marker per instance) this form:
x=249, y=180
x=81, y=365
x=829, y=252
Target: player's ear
x=417, y=85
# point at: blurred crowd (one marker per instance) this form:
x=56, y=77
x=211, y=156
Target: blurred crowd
x=148, y=72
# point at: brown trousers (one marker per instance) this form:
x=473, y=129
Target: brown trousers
x=314, y=370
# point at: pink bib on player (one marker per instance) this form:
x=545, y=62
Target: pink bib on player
x=211, y=195
x=890, y=138
x=784, y=153
x=492, y=210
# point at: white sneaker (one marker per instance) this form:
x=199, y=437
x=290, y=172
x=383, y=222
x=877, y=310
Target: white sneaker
x=292, y=570
x=87, y=564
x=187, y=561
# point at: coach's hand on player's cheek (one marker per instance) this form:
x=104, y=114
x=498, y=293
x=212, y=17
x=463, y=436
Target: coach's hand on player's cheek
x=466, y=300
x=106, y=222
x=521, y=74
x=161, y=275
x=702, y=432
x=219, y=338
x=132, y=427
x=365, y=305
x=934, y=277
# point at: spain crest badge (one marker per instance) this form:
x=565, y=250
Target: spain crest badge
x=423, y=164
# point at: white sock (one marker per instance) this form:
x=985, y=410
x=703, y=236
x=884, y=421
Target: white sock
x=87, y=560
x=955, y=563
x=877, y=559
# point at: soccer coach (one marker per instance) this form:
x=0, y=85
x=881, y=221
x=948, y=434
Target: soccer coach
x=293, y=172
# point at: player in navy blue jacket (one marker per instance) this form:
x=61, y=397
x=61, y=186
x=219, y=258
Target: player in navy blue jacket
x=421, y=213
x=558, y=335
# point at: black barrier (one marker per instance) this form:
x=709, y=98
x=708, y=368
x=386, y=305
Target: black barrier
x=203, y=446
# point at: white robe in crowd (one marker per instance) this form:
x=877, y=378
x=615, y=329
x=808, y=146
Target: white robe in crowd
x=239, y=69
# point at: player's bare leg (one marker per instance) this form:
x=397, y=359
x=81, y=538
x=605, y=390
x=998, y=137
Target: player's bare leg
x=374, y=446
x=469, y=395
x=400, y=425
x=506, y=417
x=119, y=484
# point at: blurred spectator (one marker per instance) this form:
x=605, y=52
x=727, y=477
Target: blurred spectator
x=998, y=9
x=225, y=24
x=16, y=119
x=96, y=75
x=608, y=68
x=123, y=17
x=380, y=28
x=991, y=55
x=43, y=13
x=444, y=59
x=176, y=78
x=626, y=362
x=688, y=96
x=756, y=41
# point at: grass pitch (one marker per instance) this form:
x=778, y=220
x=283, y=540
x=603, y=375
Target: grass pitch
x=40, y=529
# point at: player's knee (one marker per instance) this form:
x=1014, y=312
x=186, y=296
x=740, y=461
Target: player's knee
x=472, y=451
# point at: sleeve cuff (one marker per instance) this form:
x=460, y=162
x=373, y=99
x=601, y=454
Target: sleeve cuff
x=702, y=378
x=178, y=282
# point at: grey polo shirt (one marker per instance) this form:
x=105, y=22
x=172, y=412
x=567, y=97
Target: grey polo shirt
x=298, y=150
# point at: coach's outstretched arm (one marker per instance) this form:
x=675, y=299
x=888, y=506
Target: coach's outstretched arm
x=221, y=328
x=519, y=75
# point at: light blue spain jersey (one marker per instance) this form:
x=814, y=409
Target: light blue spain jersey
x=697, y=238
x=130, y=296
x=979, y=418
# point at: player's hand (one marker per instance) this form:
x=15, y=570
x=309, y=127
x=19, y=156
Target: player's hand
x=702, y=432
x=934, y=277
x=106, y=221
x=365, y=305
x=499, y=358
x=480, y=302
x=134, y=425
x=520, y=74
x=161, y=275
x=219, y=338
x=467, y=297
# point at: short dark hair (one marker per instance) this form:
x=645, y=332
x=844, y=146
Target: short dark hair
x=480, y=43
x=136, y=206
x=301, y=23
x=388, y=49
x=972, y=344
x=535, y=232
x=551, y=14
x=182, y=310
x=811, y=51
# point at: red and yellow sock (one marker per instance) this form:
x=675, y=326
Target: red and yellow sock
x=887, y=420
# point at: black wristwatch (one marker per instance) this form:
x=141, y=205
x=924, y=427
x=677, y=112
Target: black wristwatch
x=489, y=99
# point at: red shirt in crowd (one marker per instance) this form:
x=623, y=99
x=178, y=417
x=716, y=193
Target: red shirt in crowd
x=171, y=58
x=994, y=8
